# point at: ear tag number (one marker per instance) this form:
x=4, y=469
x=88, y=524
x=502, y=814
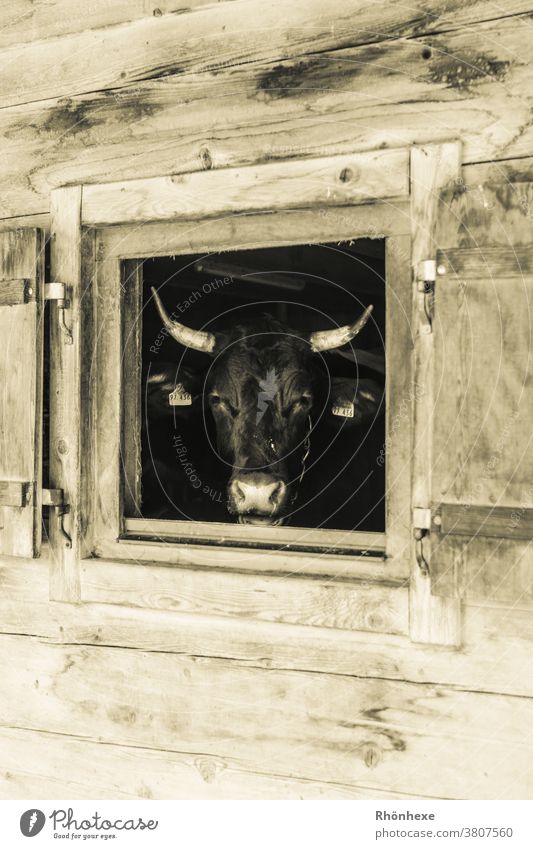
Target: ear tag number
x=346, y=411
x=179, y=397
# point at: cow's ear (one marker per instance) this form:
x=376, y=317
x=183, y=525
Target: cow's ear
x=355, y=400
x=170, y=389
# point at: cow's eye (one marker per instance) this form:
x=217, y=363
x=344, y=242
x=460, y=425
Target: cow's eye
x=301, y=403
x=222, y=403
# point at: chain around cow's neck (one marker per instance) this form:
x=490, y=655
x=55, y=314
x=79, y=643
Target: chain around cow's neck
x=305, y=455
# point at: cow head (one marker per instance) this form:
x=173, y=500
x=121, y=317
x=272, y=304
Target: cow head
x=264, y=388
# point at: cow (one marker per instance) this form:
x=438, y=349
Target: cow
x=266, y=388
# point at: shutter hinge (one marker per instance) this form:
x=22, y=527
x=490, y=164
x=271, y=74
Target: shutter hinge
x=55, y=499
x=57, y=292
x=421, y=528
x=426, y=276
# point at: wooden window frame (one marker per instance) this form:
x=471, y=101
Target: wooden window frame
x=95, y=228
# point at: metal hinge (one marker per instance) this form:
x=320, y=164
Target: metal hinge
x=55, y=499
x=57, y=292
x=421, y=529
x=425, y=286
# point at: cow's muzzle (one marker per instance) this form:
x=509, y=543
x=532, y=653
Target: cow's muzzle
x=257, y=498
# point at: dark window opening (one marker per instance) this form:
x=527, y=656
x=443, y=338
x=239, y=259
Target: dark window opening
x=217, y=452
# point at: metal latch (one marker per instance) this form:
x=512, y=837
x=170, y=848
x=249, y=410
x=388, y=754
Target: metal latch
x=55, y=499
x=421, y=528
x=425, y=287
x=57, y=292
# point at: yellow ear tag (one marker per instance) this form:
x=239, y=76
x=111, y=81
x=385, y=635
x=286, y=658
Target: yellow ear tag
x=179, y=397
x=346, y=411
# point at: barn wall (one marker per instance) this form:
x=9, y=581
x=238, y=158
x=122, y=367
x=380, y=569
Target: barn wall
x=162, y=704
x=167, y=703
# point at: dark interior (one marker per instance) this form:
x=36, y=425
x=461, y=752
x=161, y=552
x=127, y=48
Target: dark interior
x=308, y=287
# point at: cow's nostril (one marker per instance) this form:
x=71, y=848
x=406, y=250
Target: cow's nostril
x=237, y=492
x=255, y=495
x=275, y=495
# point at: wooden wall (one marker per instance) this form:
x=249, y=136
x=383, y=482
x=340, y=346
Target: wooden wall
x=135, y=89
x=164, y=704
x=175, y=704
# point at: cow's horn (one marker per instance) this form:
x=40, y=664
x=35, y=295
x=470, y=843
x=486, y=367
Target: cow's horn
x=326, y=340
x=200, y=340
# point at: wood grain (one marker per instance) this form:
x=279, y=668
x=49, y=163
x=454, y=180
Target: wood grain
x=472, y=520
x=487, y=216
x=487, y=262
x=20, y=22
x=288, y=598
x=13, y=292
x=36, y=765
x=348, y=730
x=475, y=85
x=339, y=180
x=483, y=448
x=131, y=359
x=496, y=655
x=21, y=364
x=282, y=539
x=40, y=221
x=238, y=232
x=399, y=426
x=234, y=33
x=14, y=494
x=65, y=395
x=432, y=619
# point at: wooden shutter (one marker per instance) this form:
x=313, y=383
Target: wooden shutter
x=21, y=342
x=482, y=491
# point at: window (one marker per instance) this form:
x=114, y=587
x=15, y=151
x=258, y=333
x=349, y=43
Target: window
x=133, y=260
x=330, y=467
x=112, y=242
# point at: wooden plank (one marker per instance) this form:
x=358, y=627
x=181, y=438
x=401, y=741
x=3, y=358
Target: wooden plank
x=487, y=262
x=278, y=538
x=21, y=364
x=41, y=221
x=37, y=765
x=65, y=395
x=487, y=521
x=483, y=329
x=347, y=730
x=292, y=599
x=14, y=493
x=243, y=560
x=477, y=176
x=114, y=56
x=493, y=215
x=131, y=359
x=108, y=395
x=399, y=434
x=286, y=227
x=297, y=184
x=14, y=292
x=481, y=569
x=475, y=80
x=21, y=22
x=432, y=619
x=482, y=430
x=496, y=655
